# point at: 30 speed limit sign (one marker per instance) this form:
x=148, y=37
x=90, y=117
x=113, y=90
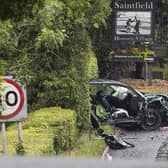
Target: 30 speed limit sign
x=13, y=104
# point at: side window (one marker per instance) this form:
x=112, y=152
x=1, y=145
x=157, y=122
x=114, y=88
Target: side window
x=106, y=89
x=120, y=92
x=109, y=90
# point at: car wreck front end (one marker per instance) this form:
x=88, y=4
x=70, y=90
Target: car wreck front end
x=159, y=102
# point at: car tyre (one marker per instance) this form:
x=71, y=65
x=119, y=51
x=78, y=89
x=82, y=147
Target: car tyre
x=152, y=120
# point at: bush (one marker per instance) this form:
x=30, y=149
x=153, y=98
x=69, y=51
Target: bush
x=92, y=67
x=20, y=149
x=67, y=86
x=49, y=127
x=86, y=68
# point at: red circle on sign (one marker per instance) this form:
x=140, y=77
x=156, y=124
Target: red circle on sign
x=20, y=106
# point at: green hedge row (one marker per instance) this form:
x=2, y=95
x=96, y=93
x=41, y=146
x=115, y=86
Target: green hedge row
x=46, y=131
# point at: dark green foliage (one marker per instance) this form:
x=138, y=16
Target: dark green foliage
x=161, y=33
x=20, y=149
x=64, y=80
x=105, y=61
x=3, y=64
x=17, y=9
x=62, y=140
x=53, y=53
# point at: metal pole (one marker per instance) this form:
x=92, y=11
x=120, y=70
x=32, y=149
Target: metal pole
x=3, y=130
x=19, y=132
x=149, y=74
x=146, y=70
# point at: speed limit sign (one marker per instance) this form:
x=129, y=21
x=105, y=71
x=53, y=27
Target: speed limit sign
x=13, y=101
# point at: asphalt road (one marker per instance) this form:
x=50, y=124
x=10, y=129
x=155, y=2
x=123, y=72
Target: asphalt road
x=55, y=162
x=148, y=145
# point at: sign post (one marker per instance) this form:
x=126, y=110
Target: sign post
x=13, y=106
x=3, y=130
x=19, y=132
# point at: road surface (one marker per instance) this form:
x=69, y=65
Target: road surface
x=55, y=162
x=148, y=145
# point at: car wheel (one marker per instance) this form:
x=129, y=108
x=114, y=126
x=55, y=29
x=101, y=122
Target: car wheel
x=151, y=121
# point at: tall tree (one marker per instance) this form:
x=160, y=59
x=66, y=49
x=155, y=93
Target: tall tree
x=162, y=22
x=17, y=9
x=53, y=51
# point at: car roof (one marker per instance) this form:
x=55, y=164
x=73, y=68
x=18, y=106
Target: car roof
x=107, y=82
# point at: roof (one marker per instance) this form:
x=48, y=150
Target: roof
x=106, y=82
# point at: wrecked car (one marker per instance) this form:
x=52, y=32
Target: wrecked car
x=119, y=104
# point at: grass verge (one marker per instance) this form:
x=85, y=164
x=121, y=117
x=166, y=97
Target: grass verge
x=89, y=146
x=45, y=132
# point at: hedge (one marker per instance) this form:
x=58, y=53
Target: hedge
x=46, y=131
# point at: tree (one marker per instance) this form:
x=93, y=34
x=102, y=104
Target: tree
x=162, y=22
x=67, y=60
x=17, y=9
x=52, y=51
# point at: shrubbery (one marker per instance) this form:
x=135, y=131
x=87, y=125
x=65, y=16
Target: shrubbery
x=46, y=131
x=67, y=86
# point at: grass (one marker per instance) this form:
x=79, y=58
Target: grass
x=90, y=146
x=86, y=147
x=39, y=130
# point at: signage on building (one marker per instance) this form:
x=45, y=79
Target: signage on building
x=134, y=20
